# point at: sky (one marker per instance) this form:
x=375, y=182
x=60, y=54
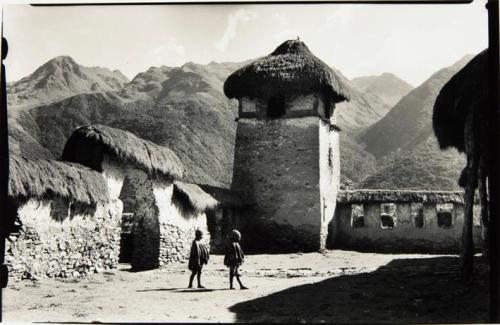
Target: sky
x=411, y=41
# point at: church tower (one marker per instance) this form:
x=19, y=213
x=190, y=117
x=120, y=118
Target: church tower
x=286, y=163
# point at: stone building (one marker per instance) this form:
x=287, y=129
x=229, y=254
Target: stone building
x=287, y=148
x=68, y=223
x=165, y=213
x=400, y=221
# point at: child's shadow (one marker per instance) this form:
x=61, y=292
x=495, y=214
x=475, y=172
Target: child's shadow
x=182, y=290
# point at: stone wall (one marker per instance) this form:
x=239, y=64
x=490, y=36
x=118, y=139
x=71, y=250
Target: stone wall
x=163, y=229
x=400, y=227
x=276, y=167
x=177, y=225
x=54, y=243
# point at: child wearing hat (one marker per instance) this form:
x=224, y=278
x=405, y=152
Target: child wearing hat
x=233, y=258
x=198, y=256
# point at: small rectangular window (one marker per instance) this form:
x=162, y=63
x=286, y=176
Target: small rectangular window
x=417, y=215
x=444, y=215
x=388, y=215
x=357, y=216
x=386, y=221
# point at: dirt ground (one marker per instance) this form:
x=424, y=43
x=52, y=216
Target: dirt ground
x=338, y=286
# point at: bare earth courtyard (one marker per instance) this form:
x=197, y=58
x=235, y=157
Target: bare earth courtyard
x=338, y=286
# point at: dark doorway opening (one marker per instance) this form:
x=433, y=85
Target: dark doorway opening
x=276, y=106
x=126, y=238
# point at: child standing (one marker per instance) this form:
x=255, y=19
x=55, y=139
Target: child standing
x=198, y=256
x=233, y=258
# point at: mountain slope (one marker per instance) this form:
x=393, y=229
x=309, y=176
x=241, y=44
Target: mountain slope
x=387, y=86
x=423, y=167
x=183, y=108
x=61, y=78
x=410, y=121
x=404, y=144
x=361, y=111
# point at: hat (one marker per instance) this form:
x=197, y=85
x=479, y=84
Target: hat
x=198, y=233
x=236, y=234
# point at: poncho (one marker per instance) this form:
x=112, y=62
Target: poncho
x=198, y=256
x=234, y=255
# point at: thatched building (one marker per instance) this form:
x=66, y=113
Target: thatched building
x=165, y=213
x=287, y=148
x=69, y=224
x=462, y=119
x=400, y=221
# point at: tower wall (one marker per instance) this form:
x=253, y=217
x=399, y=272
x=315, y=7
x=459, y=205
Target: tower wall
x=329, y=171
x=277, y=167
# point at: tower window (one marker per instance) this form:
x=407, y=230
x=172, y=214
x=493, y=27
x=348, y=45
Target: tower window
x=276, y=106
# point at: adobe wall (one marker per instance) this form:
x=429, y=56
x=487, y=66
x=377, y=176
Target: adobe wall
x=162, y=229
x=329, y=171
x=406, y=236
x=276, y=167
x=177, y=226
x=146, y=226
x=59, y=240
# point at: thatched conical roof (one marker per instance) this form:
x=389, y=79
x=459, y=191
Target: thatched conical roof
x=290, y=69
x=48, y=179
x=87, y=144
x=467, y=90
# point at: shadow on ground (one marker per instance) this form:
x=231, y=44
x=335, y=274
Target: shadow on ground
x=403, y=291
x=180, y=290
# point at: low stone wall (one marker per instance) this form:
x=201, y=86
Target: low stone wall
x=402, y=227
x=163, y=230
x=176, y=240
x=57, y=240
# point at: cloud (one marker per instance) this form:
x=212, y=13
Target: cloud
x=172, y=51
x=233, y=22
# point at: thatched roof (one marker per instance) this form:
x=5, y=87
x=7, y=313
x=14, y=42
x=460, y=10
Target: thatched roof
x=47, y=179
x=290, y=70
x=388, y=196
x=192, y=196
x=87, y=144
x=225, y=197
x=467, y=90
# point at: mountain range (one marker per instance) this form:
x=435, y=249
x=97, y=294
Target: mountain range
x=389, y=87
x=185, y=109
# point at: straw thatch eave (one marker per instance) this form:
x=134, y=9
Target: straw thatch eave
x=225, y=197
x=193, y=197
x=88, y=144
x=395, y=196
x=48, y=179
x=290, y=70
x=467, y=90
